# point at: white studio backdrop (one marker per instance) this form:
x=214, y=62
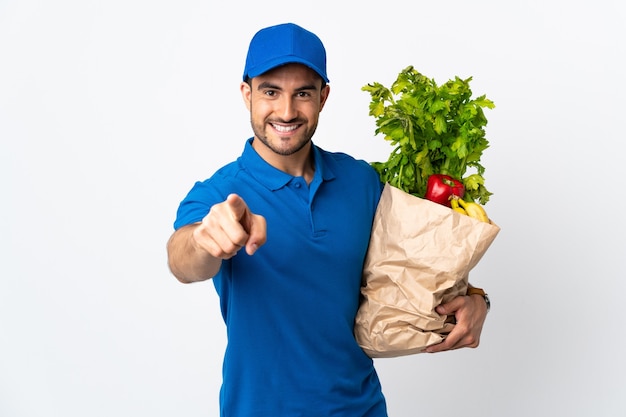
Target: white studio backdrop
x=109, y=111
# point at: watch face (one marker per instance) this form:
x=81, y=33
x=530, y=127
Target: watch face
x=488, y=301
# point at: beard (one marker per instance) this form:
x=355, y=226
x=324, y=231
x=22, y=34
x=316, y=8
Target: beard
x=287, y=146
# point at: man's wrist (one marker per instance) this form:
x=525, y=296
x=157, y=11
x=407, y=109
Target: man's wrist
x=479, y=291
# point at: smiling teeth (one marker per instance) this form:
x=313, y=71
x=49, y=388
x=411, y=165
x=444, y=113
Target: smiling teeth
x=281, y=128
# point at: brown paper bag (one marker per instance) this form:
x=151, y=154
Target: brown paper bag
x=420, y=256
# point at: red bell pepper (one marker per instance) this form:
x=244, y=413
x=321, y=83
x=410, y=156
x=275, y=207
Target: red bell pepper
x=441, y=187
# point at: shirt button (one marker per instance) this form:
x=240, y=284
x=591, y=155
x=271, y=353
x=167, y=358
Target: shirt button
x=297, y=185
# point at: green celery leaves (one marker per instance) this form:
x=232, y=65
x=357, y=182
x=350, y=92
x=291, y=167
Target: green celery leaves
x=434, y=129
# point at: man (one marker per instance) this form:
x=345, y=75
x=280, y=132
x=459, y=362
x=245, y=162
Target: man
x=283, y=233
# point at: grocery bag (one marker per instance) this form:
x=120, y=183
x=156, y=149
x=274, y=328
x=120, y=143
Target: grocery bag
x=419, y=256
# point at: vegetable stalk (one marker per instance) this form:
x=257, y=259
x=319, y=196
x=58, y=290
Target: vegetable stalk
x=434, y=129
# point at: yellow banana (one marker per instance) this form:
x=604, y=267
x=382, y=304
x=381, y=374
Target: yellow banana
x=454, y=203
x=474, y=210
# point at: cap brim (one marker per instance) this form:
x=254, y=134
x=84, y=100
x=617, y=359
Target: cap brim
x=275, y=63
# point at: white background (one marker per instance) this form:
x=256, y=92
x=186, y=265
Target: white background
x=110, y=110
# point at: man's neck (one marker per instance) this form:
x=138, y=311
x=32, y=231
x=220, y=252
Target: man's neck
x=299, y=164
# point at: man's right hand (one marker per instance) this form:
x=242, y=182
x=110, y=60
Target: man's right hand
x=228, y=227
x=195, y=252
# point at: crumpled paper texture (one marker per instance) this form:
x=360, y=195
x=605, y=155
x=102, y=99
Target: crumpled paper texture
x=420, y=255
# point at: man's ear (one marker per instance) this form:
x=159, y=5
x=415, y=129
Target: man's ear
x=324, y=95
x=246, y=92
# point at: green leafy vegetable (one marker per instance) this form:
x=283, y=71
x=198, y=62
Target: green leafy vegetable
x=433, y=129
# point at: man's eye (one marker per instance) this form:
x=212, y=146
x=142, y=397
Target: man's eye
x=270, y=93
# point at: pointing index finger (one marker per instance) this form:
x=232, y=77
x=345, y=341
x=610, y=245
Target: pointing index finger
x=237, y=206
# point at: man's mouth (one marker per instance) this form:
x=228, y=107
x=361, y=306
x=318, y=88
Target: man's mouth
x=284, y=128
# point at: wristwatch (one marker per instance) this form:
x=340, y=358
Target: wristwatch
x=475, y=290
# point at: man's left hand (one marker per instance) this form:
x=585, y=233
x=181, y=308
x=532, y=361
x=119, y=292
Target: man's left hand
x=470, y=313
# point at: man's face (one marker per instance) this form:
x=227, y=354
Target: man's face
x=284, y=106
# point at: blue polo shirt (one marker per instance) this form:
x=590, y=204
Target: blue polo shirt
x=289, y=309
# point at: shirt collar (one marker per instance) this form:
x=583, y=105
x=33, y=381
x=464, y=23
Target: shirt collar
x=273, y=178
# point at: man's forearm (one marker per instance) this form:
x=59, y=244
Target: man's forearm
x=187, y=262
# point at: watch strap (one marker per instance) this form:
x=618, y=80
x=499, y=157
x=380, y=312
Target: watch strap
x=479, y=291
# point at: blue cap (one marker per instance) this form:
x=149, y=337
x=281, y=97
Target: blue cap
x=284, y=44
